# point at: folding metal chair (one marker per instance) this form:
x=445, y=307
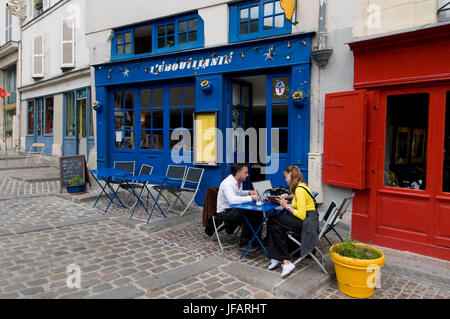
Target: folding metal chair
x=337, y=217
x=295, y=238
x=145, y=170
x=191, y=184
x=177, y=174
x=40, y=153
x=219, y=225
x=126, y=166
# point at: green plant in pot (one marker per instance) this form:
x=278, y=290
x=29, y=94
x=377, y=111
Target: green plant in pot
x=77, y=185
x=357, y=267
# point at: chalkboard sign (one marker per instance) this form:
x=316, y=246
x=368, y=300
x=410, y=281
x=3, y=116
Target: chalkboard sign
x=71, y=166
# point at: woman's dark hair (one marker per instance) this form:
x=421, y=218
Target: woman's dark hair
x=296, y=177
x=237, y=167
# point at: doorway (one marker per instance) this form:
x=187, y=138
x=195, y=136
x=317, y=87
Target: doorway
x=78, y=123
x=259, y=105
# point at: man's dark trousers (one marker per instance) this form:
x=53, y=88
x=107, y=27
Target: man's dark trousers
x=233, y=217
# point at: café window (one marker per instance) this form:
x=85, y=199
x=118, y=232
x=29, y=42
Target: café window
x=182, y=105
x=30, y=118
x=406, y=141
x=446, y=172
x=124, y=126
x=257, y=19
x=167, y=35
x=49, y=115
x=152, y=119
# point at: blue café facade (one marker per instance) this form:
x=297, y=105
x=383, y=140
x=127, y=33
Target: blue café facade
x=142, y=99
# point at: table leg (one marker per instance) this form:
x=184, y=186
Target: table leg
x=255, y=235
x=156, y=202
x=138, y=197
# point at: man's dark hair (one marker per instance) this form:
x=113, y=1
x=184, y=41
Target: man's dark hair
x=237, y=167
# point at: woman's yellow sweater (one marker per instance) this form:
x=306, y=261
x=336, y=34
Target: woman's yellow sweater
x=302, y=202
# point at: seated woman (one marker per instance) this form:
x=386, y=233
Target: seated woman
x=293, y=218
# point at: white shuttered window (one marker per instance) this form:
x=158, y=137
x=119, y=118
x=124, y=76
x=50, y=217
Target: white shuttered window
x=38, y=57
x=67, y=43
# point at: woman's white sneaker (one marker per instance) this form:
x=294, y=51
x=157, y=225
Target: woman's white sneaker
x=287, y=269
x=274, y=264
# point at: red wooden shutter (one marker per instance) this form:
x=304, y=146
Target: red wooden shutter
x=344, y=139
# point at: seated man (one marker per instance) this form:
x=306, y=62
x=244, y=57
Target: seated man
x=230, y=192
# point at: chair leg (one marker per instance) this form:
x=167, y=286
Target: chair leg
x=217, y=234
x=326, y=238
x=337, y=234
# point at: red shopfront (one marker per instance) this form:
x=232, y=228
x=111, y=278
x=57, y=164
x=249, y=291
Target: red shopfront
x=389, y=140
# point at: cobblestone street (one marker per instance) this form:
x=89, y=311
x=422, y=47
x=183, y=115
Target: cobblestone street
x=44, y=233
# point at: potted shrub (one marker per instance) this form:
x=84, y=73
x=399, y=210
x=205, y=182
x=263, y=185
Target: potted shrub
x=357, y=267
x=76, y=186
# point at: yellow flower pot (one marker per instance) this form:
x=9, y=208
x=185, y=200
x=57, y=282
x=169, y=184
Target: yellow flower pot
x=357, y=277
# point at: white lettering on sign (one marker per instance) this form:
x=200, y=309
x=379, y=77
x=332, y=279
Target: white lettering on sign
x=192, y=64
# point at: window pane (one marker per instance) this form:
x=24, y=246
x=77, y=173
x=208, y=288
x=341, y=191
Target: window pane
x=118, y=100
x=278, y=8
x=119, y=49
x=82, y=118
x=146, y=119
x=243, y=29
x=175, y=118
x=145, y=98
x=406, y=141
x=129, y=140
x=146, y=139
x=119, y=38
x=129, y=100
x=129, y=120
x=158, y=119
x=118, y=139
x=157, y=139
x=182, y=26
x=188, y=118
x=446, y=177
x=39, y=117
x=157, y=97
x=143, y=40
x=182, y=38
x=161, y=43
x=175, y=96
x=49, y=116
x=192, y=36
x=170, y=28
x=189, y=96
x=161, y=31
x=254, y=12
x=187, y=140
x=30, y=118
x=244, y=14
x=127, y=48
x=279, y=21
x=279, y=115
x=91, y=122
x=170, y=41
x=268, y=22
x=245, y=96
x=193, y=24
x=280, y=89
x=268, y=8
x=253, y=26
x=127, y=37
x=118, y=120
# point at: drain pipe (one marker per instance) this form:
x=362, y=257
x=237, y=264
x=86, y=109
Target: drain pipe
x=322, y=54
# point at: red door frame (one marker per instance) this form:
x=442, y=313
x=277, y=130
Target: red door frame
x=368, y=205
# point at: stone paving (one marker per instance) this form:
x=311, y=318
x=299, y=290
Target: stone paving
x=40, y=236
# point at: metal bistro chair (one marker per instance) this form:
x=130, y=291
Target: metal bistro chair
x=145, y=170
x=175, y=173
x=39, y=151
x=126, y=166
x=296, y=237
x=337, y=217
x=191, y=184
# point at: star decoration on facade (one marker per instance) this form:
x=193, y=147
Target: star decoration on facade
x=126, y=73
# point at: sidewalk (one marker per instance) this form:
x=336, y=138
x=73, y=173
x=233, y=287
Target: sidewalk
x=43, y=232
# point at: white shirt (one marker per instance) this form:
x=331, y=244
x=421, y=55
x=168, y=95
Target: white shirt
x=230, y=193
